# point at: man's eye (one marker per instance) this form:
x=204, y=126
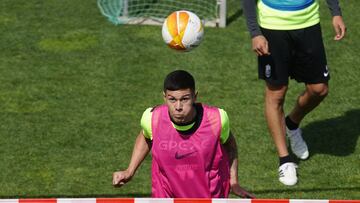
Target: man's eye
x=185, y=99
x=172, y=99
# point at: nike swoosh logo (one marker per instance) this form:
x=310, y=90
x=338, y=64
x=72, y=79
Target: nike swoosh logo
x=181, y=156
x=327, y=71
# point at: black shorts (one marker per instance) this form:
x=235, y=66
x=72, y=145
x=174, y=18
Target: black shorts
x=298, y=54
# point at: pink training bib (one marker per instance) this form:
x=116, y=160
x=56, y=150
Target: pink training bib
x=189, y=166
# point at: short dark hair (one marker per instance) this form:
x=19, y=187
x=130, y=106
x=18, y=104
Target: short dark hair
x=178, y=80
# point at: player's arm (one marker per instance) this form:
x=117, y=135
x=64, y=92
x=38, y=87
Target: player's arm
x=231, y=150
x=249, y=8
x=259, y=42
x=141, y=149
x=337, y=20
x=339, y=27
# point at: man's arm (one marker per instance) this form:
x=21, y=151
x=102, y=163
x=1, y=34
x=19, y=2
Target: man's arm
x=334, y=7
x=231, y=149
x=259, y=42
x=141, y=149
x=339, y=27
x=249, y=8
x=337, y=21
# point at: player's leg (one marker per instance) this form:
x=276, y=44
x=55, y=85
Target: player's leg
x=310, y=68
x=308, y=100
x=274, y=113
x=274, y=69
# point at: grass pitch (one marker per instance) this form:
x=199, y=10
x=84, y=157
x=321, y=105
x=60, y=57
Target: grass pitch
x=73, y=88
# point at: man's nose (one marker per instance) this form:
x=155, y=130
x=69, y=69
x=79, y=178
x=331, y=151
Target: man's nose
x=178, y=106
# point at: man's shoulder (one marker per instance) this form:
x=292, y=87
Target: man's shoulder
x=216, y=108
x=158, y=107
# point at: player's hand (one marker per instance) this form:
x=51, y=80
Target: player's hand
x=120, y=178
x=241, y=192
x=339, y=27
x=260, y=45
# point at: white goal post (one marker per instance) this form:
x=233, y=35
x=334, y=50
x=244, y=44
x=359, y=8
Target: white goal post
x=212, y=12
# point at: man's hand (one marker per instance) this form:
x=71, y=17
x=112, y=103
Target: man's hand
x=241, y=192
x=339, y=27
x=121, y=177
x=260, y=45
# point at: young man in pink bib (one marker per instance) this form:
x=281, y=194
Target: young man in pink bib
x=194, y=154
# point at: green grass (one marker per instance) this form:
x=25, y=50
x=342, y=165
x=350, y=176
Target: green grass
x=73, y=88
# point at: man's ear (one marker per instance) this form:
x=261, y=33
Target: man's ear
x=164, y=96
x=195, y=96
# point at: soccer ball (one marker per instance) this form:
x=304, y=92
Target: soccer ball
x=182, y=30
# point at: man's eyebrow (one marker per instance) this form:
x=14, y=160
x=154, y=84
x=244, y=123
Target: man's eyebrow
x=189, y=94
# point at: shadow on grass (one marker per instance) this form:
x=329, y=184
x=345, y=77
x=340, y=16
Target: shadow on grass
x=234, y=17
x=336, y=136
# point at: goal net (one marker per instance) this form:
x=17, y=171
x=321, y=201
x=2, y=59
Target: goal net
x=212, y=12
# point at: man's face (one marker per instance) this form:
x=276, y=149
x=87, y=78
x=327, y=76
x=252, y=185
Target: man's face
x=181, y=105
